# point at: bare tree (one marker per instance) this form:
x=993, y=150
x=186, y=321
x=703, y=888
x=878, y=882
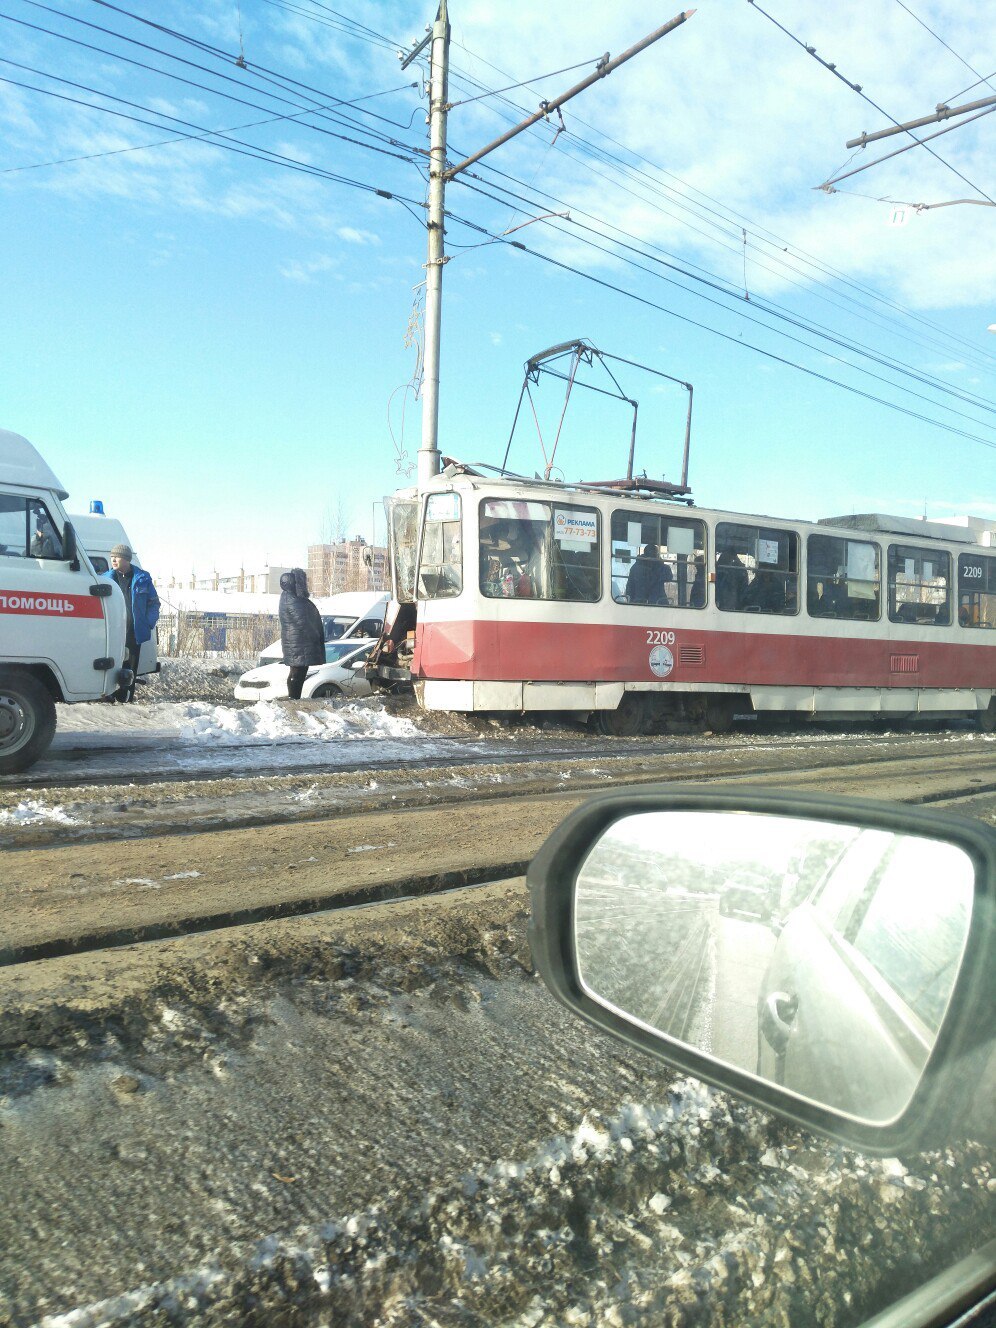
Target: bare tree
x=333, y=532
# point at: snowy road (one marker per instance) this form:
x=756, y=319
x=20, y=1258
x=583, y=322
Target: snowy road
x=234, y=1092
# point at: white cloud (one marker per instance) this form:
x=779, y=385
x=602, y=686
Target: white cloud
x=296, y=270
x=353, y=236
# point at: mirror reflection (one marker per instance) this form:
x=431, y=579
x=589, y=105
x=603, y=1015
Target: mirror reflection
x=817, y=956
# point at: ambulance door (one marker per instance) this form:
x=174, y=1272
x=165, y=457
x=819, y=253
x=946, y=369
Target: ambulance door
x=49, y=613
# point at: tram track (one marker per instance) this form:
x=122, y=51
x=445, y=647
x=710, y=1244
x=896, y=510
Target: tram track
x=92, y=814
x=87, y=897
x=230, y=766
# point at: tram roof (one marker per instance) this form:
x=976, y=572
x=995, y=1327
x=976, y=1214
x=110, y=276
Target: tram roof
x=956, y=529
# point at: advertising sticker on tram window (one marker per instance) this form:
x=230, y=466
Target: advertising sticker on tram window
x=661, y=661
x=573, y=526
x=443, y=507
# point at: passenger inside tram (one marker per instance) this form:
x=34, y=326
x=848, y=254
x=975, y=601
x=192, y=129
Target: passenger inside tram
x=731, y=580
x=648, y=578
x=766, y=592
x=508, y=554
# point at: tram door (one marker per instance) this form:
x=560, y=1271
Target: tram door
x=389, y=663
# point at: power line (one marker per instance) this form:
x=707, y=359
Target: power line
x=736, y=341
x=140, y=64
x=939, y=38
x=280, y=159
x=855, y=87
x=726, y=288
x=762, y=234
x=807, y=345
x=361, y=32
x=219, y=139
x=326, y=110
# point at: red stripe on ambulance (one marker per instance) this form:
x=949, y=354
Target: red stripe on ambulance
x=26, y=603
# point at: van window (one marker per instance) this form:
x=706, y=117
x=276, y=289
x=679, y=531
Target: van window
x=976, y=590
x=919, y=586
x=100, y=565
x=756, y=569
x=843, y=578
x=27, y=530
x=658, y=558
x=531, y=550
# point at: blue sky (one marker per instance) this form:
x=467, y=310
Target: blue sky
x=215, y=345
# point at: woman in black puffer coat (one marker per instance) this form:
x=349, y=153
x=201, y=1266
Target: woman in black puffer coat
x=302, y=635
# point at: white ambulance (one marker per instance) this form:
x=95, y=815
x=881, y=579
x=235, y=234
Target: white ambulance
x=62, y=629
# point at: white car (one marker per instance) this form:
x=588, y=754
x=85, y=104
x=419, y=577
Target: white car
x=341, y=675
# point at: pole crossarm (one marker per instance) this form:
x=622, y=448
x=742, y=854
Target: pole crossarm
x=605, y=67
x=942, y=113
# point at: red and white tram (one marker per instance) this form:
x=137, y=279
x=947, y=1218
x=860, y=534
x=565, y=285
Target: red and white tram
x=529, y=595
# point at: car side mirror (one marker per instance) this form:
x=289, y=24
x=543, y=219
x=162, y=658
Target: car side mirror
x=69, y=549
x=829, y=959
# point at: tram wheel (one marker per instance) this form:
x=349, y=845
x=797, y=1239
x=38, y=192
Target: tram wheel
x=630, y=718
x=719, y=714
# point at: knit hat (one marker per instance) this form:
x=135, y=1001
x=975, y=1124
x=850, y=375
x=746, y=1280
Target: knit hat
x=122, y=551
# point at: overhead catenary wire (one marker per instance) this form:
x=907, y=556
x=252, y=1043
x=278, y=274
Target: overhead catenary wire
x=855, y=87
x=759, y=233
x=724, y=336
x=947, y=47
x=365, y=33
x=141, y=64
x=724, y=287
x=327, y=109
x=716, y=214
x=798, y=341
x=218, y=138
x=276, y=159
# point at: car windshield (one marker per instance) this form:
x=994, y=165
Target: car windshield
x=473, y=473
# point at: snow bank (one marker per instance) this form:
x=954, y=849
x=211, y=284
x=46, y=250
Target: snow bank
x=32, y=811
x=273, y=721
x=201, y=722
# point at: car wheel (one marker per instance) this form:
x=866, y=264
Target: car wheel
x=27, y=720
x=326, y=692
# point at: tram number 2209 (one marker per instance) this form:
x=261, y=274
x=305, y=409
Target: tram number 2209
x=657, y=637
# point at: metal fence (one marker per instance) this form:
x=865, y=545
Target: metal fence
x=195, y=634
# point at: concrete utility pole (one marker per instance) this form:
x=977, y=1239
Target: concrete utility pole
x=428, y=456
x=439, y=174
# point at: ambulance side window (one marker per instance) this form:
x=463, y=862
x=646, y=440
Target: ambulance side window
x=13, y=526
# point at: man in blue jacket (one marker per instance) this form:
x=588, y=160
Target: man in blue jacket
x=142, y=604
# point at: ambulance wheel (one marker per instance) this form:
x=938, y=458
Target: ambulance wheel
x=27, y=720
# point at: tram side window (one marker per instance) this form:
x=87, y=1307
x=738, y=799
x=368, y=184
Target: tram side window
x=757, y=569
x=531, y=550
x=440, y=569
x=919, y=586
x=976, y=590
x=658, y=559
x=843, y=578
